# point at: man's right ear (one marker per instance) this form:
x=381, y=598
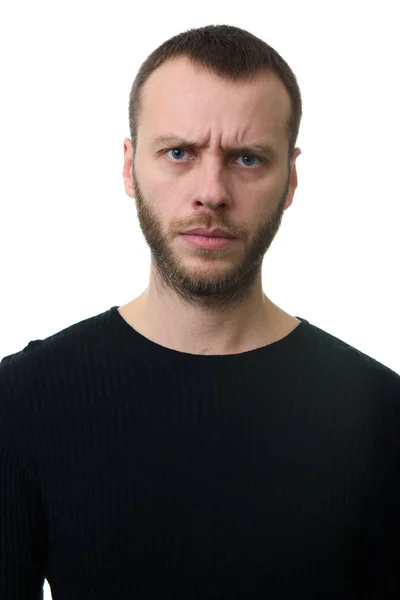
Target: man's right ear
x=127, y=169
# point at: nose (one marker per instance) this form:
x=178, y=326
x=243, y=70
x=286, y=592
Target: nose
x=211, y=188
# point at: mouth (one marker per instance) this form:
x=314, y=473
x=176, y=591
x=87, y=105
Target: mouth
x=218, y=233
x=206, y=241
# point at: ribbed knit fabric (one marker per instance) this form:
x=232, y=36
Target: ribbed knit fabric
x=133, y=471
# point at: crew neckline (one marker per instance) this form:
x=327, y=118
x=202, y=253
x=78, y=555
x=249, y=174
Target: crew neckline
x=153, y=346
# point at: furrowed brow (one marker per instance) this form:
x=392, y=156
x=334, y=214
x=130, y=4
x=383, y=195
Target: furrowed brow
x=172, y=140
x=263, y=149
x=179, y=142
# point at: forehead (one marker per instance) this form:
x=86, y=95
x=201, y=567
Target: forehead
x=188, y=97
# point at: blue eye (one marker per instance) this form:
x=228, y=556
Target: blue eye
x=176, y=151
x=247, y=156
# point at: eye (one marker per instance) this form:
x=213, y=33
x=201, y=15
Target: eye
x=176, y=153
x=250, y=157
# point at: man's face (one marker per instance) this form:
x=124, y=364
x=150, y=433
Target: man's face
x=178, y=188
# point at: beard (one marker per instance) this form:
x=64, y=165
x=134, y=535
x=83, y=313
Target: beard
x=221, y=282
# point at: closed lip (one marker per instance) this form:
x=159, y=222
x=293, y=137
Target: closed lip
x=208, y=233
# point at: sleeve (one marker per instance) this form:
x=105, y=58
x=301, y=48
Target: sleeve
x=23, y=528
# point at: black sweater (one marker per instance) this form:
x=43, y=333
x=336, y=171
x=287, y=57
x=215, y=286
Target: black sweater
x=132, y=471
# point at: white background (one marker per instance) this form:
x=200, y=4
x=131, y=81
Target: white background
x=71, y=246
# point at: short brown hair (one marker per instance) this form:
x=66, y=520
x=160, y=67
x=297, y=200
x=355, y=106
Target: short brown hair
x=228, y=51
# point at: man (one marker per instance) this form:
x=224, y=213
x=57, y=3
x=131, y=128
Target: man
x=199, y=441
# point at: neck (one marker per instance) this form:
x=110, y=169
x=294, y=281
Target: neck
x=168, y=322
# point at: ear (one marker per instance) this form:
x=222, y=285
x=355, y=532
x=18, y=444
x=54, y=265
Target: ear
x=293, y=179
x=127, y=170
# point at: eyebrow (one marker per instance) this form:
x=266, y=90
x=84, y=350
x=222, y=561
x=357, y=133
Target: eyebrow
x=251, y=148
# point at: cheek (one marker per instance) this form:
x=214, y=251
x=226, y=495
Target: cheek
x=158, y=177
x=171, y=190
x=263, y=201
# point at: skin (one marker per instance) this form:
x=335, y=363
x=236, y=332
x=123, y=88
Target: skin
x=206, y=301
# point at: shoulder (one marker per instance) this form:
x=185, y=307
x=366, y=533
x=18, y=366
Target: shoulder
x=61, y=341
x=353, y=377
